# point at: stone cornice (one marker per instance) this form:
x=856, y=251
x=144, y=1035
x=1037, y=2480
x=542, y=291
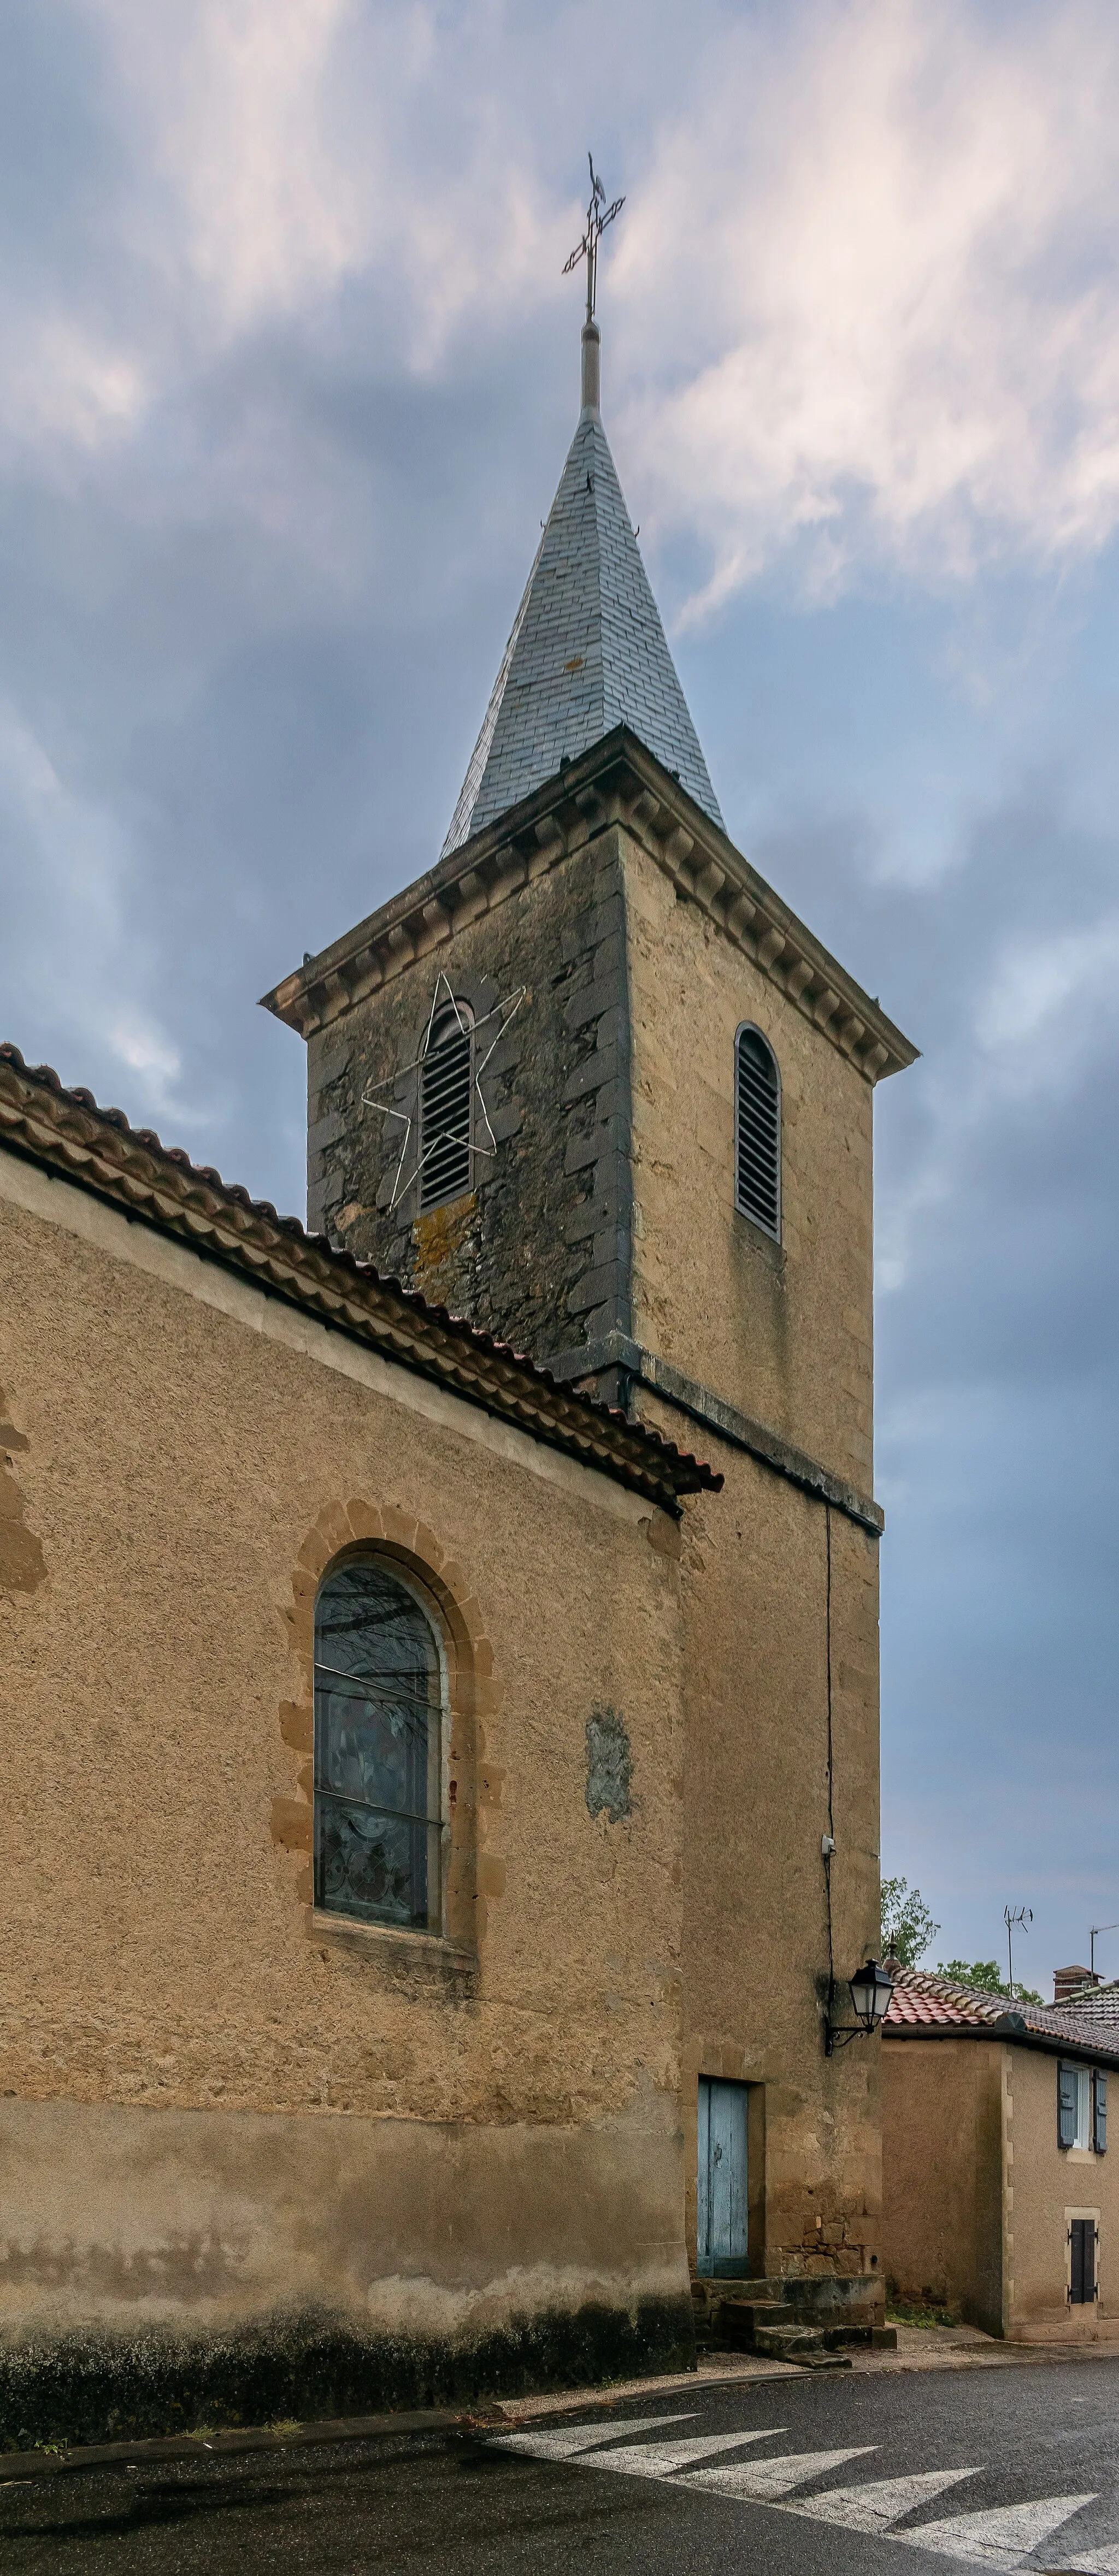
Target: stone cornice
x=65, y=1133
x=616, y=782
x=616, y=1350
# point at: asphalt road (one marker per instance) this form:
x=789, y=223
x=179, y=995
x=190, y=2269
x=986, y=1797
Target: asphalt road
x=1015, y=2467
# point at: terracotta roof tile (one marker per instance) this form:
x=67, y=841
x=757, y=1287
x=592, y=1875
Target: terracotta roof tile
x=68, y=1131
x=923, y=2000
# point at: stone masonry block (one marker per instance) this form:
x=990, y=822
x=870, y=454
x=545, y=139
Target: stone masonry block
x=595, y=1288
x=611, y=1244
x=399, y=1527
x=326, y=1131
x=596, y=1001
x=427, y=1546
x=595, y=1072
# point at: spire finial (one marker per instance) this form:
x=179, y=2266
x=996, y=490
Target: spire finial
x=599, y=214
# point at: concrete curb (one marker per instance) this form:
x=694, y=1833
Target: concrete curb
x=485, y=2417
x=197, y=2446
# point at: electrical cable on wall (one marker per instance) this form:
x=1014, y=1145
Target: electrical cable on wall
x=830, y=1839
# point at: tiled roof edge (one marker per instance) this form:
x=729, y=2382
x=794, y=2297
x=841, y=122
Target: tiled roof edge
x=959, y=2011
x=68, y=1133
x=1099, y=2045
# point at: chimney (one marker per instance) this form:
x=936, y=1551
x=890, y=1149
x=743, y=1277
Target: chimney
x=1068, y=1981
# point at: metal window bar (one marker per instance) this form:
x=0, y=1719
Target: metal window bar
x=757, y=1132
x=379, y=1728
x=446, y=1082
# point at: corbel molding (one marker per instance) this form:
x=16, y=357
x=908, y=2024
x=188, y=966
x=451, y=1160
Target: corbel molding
x=617, y=782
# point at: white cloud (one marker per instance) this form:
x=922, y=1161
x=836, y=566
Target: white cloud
x=70, y=858
x=881, y=256
x=1053, y=989
x=66, y=391
x=862, y=305
x=232, y=103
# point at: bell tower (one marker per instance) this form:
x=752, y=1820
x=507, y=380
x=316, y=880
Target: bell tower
x=591, y=1083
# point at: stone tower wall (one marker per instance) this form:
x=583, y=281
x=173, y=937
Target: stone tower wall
x=538, y=1251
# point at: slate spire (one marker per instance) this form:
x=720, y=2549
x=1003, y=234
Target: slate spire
x=587, y=651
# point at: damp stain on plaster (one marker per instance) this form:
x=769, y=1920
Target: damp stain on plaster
x=22, y=1563
x=609, y=1765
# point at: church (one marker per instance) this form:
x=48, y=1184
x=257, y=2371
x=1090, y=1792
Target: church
x=439, y=1643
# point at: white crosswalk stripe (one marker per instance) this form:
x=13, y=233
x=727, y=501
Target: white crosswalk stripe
x=564, y=2441
x=1072, y=2561
x=766, y=2481
x=666, y=2459
x=880, y=2502
x=1000, y=2539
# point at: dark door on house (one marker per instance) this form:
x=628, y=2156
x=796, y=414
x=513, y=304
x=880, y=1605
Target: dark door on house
x=721, y=2178
x=1083, y=2267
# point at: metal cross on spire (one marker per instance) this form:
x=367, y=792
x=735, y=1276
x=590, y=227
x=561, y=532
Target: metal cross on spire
x=599, y=214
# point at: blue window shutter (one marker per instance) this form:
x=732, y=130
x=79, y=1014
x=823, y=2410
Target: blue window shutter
x=1066, y=2106
x=1099, y=2111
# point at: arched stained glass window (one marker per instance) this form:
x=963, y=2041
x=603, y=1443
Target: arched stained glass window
x=757, y=1131
x=446, y=1106
x=377, y=1751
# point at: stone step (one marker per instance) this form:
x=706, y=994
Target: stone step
x=740, y=2318
x=804, y=2344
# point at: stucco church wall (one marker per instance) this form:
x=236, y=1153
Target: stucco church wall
x=217, y=2106
x=756, y=1947
x=783, y=1331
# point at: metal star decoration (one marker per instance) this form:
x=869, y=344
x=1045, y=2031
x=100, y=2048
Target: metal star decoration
x=502, y=1013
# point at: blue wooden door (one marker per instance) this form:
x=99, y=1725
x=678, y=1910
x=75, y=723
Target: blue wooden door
x=721, y=2178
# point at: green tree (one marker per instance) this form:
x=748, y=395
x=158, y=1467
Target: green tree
x=986, y=1974
x=907, y=1925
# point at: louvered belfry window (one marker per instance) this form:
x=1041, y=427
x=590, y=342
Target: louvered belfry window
x=446, y=1085
x=757, y=1131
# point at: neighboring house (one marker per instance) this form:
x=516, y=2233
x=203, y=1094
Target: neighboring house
x=1000, y=2199
x=435, y=1805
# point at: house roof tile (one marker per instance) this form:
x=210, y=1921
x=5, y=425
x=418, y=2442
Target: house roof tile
x=925, y=2002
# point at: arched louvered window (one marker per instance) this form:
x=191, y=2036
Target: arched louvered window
x=446, y=1105
x=378, y=1752
x=757, y=1131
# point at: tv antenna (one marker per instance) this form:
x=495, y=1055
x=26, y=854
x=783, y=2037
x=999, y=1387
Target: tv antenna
x=1093, y=1937
x=1023, y=1915
x=599, y=214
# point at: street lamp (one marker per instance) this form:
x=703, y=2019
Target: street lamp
x=870, y=1990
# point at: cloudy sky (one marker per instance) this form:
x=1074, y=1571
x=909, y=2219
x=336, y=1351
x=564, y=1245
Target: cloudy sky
x=287, y=374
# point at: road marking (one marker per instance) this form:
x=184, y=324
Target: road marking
x=1000, y=2539
x=567, y=2440
x=881, y=2501
x=764, y=2481
x=1087, y=2562
x=663, y=2459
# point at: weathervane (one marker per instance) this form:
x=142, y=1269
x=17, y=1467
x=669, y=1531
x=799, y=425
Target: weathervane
x=599, y=214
